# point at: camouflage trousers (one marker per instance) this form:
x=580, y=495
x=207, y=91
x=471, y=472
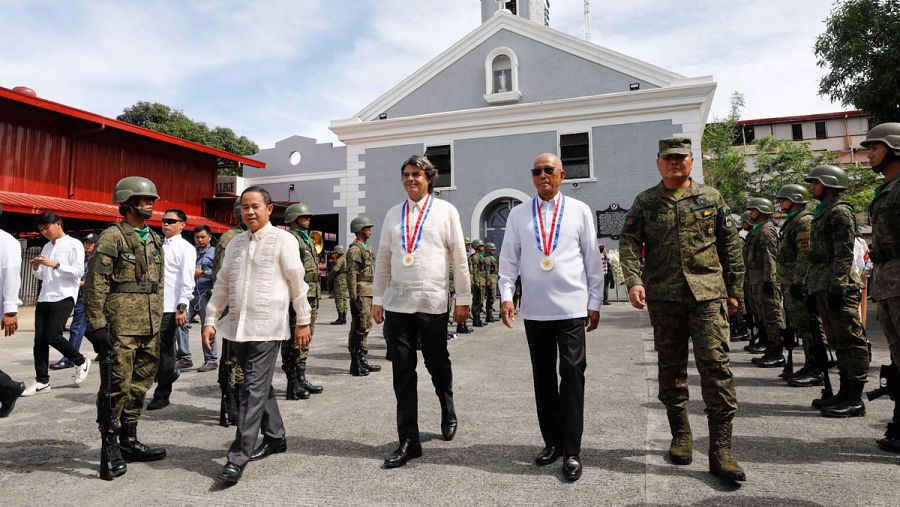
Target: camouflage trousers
x=705, y=324
x=302, y=354
x=767, y=309
x=340, y=295
x=845, y=335
x=889, y=318
x=490, y=294
x=797, y=317
x=477, y=302
x=360, y=324
x=135, y=361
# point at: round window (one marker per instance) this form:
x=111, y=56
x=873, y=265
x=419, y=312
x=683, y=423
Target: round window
x=295, y=158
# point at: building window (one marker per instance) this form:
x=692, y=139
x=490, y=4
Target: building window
x=749, y=134
x=440, y=158
x=501, y=70
x=510, y=6
x=797, y=131
x=820, y=130
x=575, y=154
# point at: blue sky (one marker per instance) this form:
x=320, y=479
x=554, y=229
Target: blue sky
x=272, y=69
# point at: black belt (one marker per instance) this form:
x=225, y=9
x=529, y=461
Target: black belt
x=364, y=278
x=134, y=288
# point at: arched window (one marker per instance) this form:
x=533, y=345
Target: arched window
x=501, y=77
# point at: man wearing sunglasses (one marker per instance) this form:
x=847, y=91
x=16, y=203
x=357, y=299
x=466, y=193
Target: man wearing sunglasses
x=551, y=243
x=681, y=256
x=180, y=258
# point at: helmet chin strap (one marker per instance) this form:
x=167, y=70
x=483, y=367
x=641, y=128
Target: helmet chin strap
x=141, y=212
x=888, y=159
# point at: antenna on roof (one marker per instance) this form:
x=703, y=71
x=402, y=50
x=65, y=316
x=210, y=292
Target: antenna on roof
x=587, y=20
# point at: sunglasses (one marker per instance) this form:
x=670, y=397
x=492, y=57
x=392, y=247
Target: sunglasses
x=546, y=170
x=170, y=221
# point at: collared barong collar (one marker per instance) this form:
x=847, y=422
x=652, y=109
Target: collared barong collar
x=420, y=203
x=262, y=232
x=553, y=200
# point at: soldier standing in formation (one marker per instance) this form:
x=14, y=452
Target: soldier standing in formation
x=461, y=327
x=765, y=294
x=757, y=347
x=339, y=279
x=123, y=303
x=476, y=269
x=293, y=358
x=830, y=279
x=793, y=259
x=490, y=280
x=691, y=280
x=738, y=328
x=360, y=274
x=883, y=143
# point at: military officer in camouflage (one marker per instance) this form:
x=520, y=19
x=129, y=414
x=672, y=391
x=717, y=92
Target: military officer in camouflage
x=762, y=269
x=793, y=259
x=746, y=306
x=692, y=278
x=883, y=142
x=231, y=376
x=360, y=274
x=836, y=287
x=339, y=279
x=491, y=277
x=476, y=268
x=123, y=304
x=293, y=359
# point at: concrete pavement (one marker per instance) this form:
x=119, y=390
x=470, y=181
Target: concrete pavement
x=49, y=448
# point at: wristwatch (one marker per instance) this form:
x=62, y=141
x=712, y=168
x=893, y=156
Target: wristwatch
x=181, y=308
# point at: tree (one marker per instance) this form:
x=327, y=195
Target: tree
x=162, y=118
x=724, y=165
x=861, y=50
x=779, y=162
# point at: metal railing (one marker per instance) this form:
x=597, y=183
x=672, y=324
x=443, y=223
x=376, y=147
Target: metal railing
x=31, y=286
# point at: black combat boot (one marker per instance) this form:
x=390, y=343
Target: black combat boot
x=823, y=402
x=295, y=391
x=891, y=440
x=489, y=315
x=774, y=358
x=133, y=449
x=476, y=321
x=363, y=352
x=342, y=319
x=112, y=464
x=462, y=329
x=851, y=405
x=303, y=383
x=356, y=367
x=811, y=378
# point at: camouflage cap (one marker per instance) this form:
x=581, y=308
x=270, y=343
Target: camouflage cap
x=676, y=145
x=90, y=238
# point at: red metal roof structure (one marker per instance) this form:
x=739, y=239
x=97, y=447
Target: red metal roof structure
x=60, y=158
x=806, y=117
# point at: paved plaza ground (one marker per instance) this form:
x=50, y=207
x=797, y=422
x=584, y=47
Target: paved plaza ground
x=49, y=446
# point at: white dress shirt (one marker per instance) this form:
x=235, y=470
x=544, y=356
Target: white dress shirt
x=423, y=286
x=10, y=269
x=261, y=275
x=64, y=281
x=180, y=258
x=575, y=284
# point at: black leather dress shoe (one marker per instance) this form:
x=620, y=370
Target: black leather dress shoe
x=231, y=473
x=772, y=361
x=406, y=451
x=158, y=403
x=571, y=468
x=547, y=456
x=61, y=365
x=448, y=428
x=268, y=447
x=8, y=403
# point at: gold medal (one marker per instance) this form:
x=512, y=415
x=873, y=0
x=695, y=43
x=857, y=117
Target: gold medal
x=408, y=259
x=547, y=263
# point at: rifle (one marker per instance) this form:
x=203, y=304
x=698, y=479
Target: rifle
x=228, y=401
x=821, y=357
x=109, y=427
x=751, y=325
x=789, y=337
x=889, y=383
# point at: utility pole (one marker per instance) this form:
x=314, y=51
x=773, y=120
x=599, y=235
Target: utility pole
x=587, y=20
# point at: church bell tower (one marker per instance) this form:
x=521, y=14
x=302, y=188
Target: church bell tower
x=536, y=11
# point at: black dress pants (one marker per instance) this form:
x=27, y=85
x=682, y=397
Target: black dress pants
x=560, y=408
x=165, y=375
x=401, y=331
x=49, y=323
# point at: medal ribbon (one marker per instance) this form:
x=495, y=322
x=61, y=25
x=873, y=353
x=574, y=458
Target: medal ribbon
x=416, y=234
x=544, y=245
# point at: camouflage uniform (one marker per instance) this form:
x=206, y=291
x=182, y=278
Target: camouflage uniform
x=761, y=272
x=360, y=274
x=691, y=264
x=793, y=259
x=339, y=276
x=830, y=276
x=124, y=290
x=476, y=267
x=293, y=358
x=490, y=285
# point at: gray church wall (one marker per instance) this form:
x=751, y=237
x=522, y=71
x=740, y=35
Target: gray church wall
x=384, y=188
x=314, y=157
x=545, y=73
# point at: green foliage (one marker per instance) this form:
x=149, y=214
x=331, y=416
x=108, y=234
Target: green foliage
x=162, y=118
x=724, y=165
x=861, y=50
x=863, y=181
x=779, y=162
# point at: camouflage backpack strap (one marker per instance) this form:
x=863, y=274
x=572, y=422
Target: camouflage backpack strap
x=133, y=242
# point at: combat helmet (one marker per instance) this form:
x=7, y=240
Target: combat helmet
x=887, y=133
x=745, y=217
x=295, y=211
x=761, y=204
x=133, y=186
x=735, y=218
x=477, y=243
x=829, y=176
x=359, y=223
x=490, y=246
x=468, y=241
x=339, y=249
x=797, y=194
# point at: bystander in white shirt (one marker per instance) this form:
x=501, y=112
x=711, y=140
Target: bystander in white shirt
x=180, y=258
x=574, y=283
x=10, y=269
x=422, y=285
x=62, y=282
x=261, y=275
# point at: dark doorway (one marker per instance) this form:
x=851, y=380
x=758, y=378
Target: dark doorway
x=494, y=225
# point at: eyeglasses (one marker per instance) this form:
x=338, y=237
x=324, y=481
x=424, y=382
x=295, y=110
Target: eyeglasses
x=170, y=221
x=549, y=169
